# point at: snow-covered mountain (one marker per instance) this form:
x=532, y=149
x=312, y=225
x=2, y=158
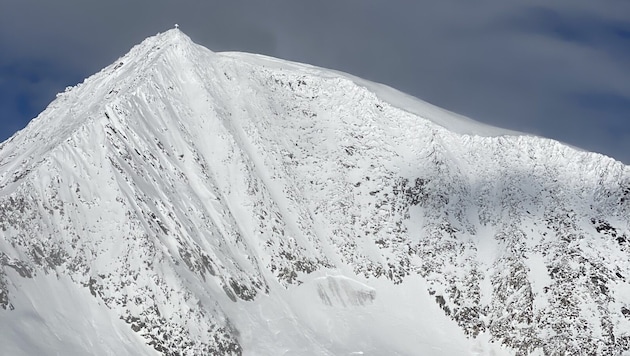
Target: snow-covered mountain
x=185, y=202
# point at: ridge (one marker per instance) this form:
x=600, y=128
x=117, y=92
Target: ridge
x=85, y=103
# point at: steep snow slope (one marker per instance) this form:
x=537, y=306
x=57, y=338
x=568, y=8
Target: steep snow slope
x=228, y=203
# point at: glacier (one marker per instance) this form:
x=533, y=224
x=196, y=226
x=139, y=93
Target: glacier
x=187, y=202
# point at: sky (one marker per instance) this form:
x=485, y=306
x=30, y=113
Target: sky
x=556, y=69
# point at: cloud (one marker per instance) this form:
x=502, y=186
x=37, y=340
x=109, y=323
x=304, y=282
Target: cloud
x=26, y=87
x=555, y=69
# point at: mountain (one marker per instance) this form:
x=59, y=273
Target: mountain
x=185, y=202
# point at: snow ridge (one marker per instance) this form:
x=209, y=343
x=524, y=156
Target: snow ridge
x=228, y=203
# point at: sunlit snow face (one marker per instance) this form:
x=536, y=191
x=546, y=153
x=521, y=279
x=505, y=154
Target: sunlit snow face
x=187, y=201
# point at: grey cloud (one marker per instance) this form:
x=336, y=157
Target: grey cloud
x=526, y=65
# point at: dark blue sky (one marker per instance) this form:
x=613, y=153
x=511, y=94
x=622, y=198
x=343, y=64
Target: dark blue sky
x=558, y=70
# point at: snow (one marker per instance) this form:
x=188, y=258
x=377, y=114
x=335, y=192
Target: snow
x=228, y=203
x=390, y=324
x=54, y=316
x=449, y=120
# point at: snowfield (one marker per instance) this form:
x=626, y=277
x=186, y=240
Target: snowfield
x=186, y=202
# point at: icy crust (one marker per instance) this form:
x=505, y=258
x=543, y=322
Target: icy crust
x=190, y=192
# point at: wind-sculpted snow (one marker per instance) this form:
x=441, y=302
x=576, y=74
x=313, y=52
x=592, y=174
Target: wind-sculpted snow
x=229, y=203
x=344, y=292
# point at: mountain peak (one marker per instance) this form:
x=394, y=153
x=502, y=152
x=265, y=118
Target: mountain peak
x=176, y=189
x=87, y=101
x=171, y=39
x=173, y=35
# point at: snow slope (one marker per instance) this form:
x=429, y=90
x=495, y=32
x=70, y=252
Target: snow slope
x=187, y=202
